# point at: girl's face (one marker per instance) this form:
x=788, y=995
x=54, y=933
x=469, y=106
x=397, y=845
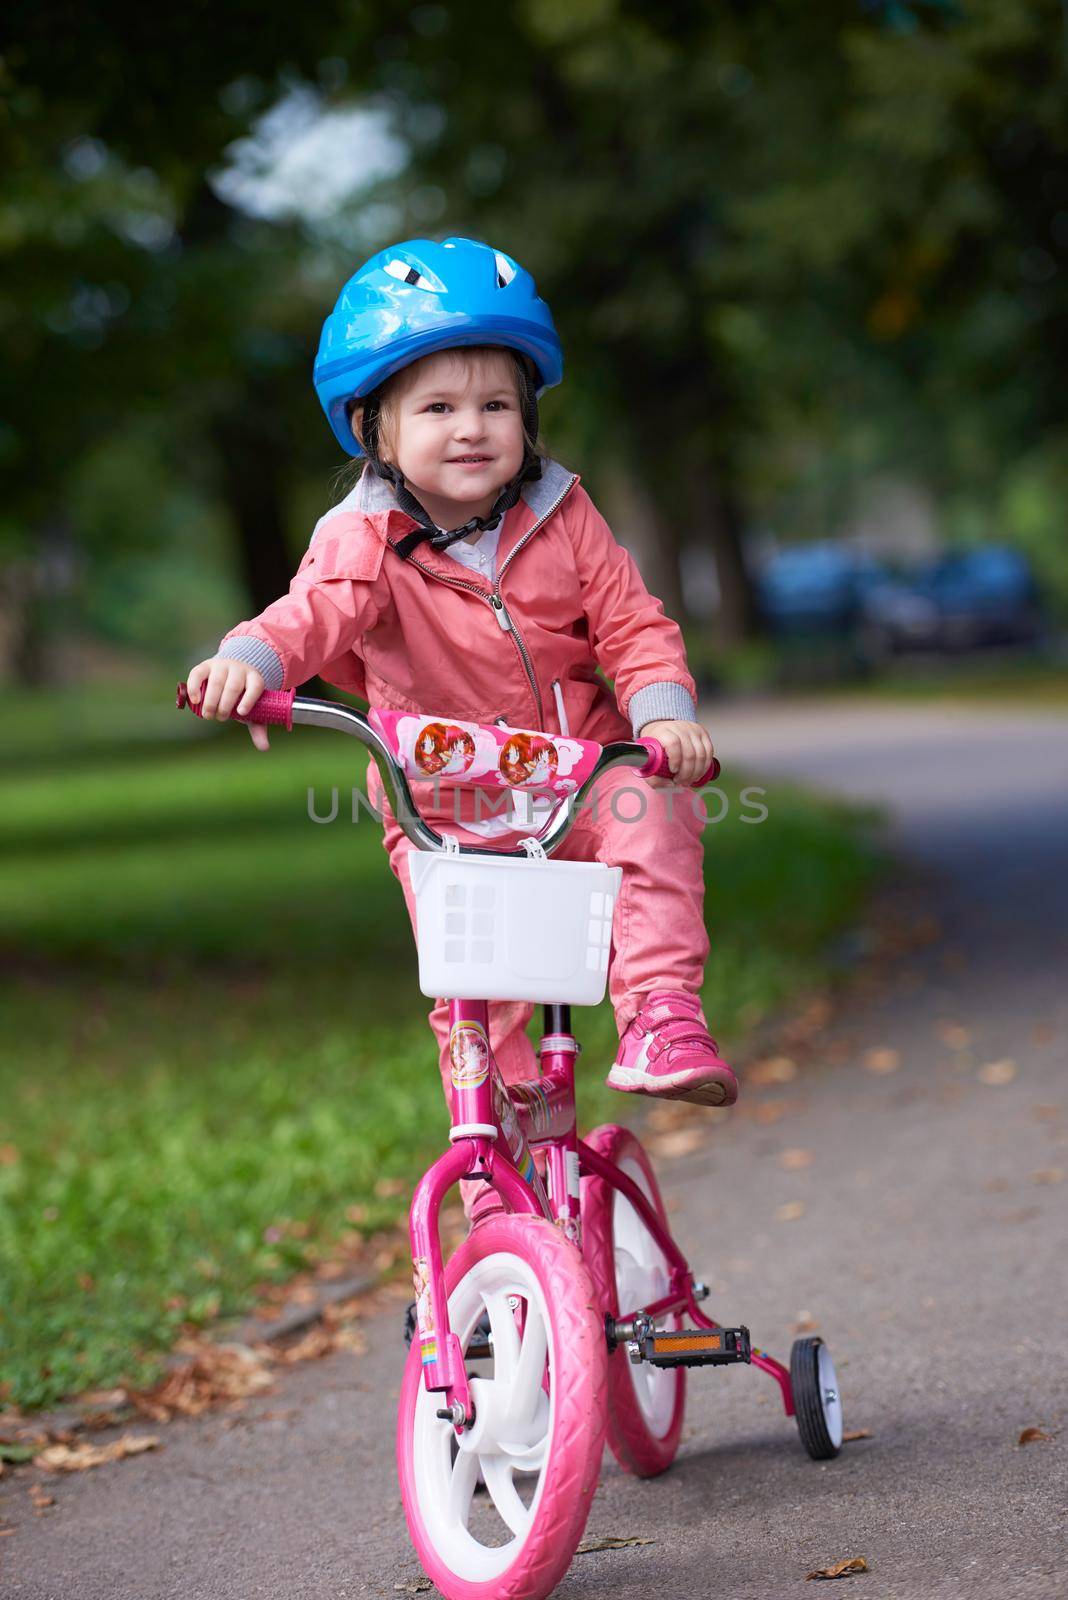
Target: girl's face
x=459, y=432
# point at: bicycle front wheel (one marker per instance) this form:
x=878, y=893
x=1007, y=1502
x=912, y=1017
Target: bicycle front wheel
x=645, y=1404
x=538, y=1383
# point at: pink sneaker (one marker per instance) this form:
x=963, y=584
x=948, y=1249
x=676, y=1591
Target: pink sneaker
x=668, y=1051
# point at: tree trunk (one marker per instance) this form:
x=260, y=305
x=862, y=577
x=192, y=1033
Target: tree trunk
x=650, y=533
x=252, y=478
x=717, y=521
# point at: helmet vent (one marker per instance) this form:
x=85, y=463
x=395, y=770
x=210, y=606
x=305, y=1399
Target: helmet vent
x=505, y=269
x=408, y=274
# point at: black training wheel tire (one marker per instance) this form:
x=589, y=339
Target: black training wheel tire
x=817, y=1406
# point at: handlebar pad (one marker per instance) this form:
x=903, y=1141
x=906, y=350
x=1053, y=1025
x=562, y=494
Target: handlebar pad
x=274, y=707
x=658, y=765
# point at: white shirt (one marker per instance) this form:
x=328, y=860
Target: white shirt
x=480, y=556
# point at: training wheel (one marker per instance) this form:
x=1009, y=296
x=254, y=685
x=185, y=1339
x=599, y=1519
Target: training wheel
x=817, y=1402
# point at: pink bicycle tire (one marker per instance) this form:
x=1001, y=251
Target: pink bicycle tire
x=637, y=1447
x=578, y=1363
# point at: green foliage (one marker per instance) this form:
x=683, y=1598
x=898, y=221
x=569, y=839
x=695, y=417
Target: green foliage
x=797, y=247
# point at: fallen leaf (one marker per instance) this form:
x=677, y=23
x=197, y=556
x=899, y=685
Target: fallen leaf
x=997, y=1072
x=8, y=1155
x=316, y=1343
x=93, y=1421
x=882, y=1060
x=665, y=1115
x=775, y=1069
x=1048, y=1175
x=841, y=1570
x=857, y=1433
x=610, y=1542
x=806, y=1323
x=790, y=1211
x=216, y=1373
x=953, y=1036
x=682, y=1143
x=1034, y=1436
x=794, y=1160
x=105, y=1398
x=1047, y=1113
x=5, y=1533
x=422, y=1587
x=768, y=1112
x=1041, y=1033
x=80, y=1457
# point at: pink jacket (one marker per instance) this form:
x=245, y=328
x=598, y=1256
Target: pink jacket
x=423, y=633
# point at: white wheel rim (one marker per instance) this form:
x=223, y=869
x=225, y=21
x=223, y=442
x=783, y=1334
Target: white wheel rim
x=511, y=1437
x=642, y=1276
x=830, y=1398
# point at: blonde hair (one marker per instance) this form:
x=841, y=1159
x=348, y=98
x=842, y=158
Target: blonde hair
x=396, y=387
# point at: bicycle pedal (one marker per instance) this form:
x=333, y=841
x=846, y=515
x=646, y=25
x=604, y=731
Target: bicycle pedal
x=692, y=1347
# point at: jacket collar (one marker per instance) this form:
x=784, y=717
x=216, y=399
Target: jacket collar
x=374, y=496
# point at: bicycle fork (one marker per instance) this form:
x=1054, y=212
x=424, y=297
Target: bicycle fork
x=492, y=1128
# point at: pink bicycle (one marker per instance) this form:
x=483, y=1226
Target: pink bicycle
x=571, y=1315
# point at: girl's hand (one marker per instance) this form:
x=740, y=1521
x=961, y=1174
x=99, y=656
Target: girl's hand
x=689, y=751
x=228, y=686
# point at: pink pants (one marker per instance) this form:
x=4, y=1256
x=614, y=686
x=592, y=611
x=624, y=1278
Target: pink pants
x=659, y=939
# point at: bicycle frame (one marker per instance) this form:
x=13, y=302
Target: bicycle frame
x=494, y=1130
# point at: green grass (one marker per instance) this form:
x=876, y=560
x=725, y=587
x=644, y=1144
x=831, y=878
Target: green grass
x=1031, y=683
x=214, y=1046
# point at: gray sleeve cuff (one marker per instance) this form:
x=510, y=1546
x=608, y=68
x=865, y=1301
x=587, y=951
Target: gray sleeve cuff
x=661, y=702
x=255, y=653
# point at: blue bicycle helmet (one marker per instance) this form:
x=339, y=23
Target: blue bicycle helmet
x=410, y=300
x=418, y=297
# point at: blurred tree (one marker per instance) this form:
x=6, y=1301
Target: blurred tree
x=784, y=246
x=128, y=285
x=922, y=241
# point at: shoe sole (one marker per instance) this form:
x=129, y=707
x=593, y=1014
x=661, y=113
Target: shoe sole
x=698, y=1094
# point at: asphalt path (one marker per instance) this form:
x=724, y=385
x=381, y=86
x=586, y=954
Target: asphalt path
x=907, y=1199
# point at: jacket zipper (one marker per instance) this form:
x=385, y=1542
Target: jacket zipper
x=494, y=600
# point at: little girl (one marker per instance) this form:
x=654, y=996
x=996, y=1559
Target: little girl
x=465, y=574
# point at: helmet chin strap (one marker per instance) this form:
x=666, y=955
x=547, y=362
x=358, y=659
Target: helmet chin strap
x=427, y=529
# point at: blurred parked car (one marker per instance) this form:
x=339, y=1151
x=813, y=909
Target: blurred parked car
x=963, y=601
x=816, y=588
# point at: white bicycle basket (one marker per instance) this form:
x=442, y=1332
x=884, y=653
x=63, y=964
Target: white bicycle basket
x=500, y=928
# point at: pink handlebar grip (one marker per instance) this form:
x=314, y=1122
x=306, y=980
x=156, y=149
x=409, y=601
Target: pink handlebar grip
x=658, y=766
x=274, y=706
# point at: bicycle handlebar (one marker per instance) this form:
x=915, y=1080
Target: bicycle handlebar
x=283, y=708
x=274, y=707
